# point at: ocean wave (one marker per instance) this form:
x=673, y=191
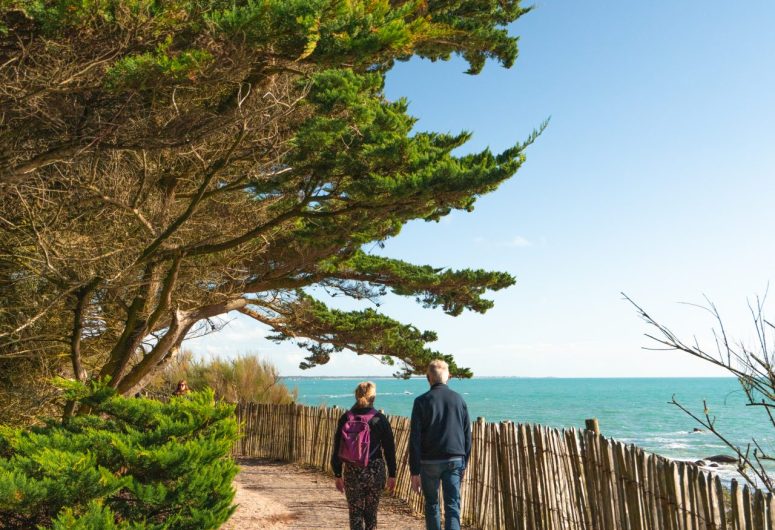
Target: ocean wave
x=683, y=433
x=676, y=445
x=662, y=440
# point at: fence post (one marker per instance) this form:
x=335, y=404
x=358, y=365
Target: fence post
x=592, y=425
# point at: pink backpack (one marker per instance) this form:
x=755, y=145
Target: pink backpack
x=356, y=437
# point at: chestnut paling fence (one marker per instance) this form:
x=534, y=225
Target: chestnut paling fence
x=531, y=477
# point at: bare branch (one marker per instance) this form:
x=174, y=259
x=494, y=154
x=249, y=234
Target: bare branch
x=754, y=371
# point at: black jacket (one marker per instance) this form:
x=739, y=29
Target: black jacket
x=440, y=427
x=381, y=442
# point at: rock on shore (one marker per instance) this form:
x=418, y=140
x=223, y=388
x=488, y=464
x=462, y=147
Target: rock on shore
x=722, y=459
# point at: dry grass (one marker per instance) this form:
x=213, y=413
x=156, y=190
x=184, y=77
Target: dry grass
x=244, y=378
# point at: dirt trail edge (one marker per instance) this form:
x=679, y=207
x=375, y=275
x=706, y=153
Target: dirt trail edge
x=277, y=496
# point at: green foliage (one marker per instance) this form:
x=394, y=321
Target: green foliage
x=244, y=378
x=96, y=517
x=368, y=332
x=454, y=291
x=134, y=463
x=362, y=32
x=136, y=71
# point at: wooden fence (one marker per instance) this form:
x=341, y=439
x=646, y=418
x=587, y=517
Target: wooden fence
x=531, y=477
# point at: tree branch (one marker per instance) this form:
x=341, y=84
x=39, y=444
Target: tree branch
x=192, y=205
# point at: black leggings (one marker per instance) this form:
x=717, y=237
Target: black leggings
x=363, y=487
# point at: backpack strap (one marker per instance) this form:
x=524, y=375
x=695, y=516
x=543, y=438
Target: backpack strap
x=372, y=417
x=368, y=416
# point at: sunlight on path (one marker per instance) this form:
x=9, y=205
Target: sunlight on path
x=275, y=496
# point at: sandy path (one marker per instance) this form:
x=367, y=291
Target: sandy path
x=275, y=496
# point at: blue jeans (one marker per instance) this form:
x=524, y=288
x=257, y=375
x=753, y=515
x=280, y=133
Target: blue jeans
x=450, y=475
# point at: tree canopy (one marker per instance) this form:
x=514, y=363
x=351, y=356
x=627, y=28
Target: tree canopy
x=164, y=163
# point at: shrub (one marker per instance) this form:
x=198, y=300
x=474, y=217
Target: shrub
x=245, y=378
x=130, y=464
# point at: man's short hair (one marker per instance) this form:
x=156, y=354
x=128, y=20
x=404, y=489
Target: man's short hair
x=438, y=371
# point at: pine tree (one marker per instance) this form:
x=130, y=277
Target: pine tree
x=165, y=163
x=131, y=464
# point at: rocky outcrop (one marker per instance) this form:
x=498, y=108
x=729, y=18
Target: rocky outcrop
x=722, y=459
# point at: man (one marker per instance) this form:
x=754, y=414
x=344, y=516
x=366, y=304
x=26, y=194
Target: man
x=439, y=446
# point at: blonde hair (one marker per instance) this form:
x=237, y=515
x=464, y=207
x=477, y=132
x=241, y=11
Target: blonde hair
x=365, y=393
x=438, y=371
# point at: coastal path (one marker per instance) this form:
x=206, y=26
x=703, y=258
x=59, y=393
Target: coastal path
x=276, y=496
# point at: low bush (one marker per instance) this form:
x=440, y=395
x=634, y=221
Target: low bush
x=129, y=464
x=243, y=378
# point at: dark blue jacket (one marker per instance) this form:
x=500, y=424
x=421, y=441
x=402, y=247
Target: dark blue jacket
x=440, y=428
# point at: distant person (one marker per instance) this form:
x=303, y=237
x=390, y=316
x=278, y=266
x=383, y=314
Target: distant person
x=182, y=388
x=439, y=447
x=364, y=461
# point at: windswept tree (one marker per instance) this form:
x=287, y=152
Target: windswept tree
x=164, y=163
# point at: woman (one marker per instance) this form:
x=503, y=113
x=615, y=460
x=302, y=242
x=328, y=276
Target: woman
x=182, y=388
x=363, y=485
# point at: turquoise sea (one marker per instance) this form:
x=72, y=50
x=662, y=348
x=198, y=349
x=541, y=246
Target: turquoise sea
x=633, y=410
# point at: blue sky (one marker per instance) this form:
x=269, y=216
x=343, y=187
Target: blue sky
x=654, y=178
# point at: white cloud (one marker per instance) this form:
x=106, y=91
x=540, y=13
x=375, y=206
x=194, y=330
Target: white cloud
x=519, y=241
x=239, y=334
